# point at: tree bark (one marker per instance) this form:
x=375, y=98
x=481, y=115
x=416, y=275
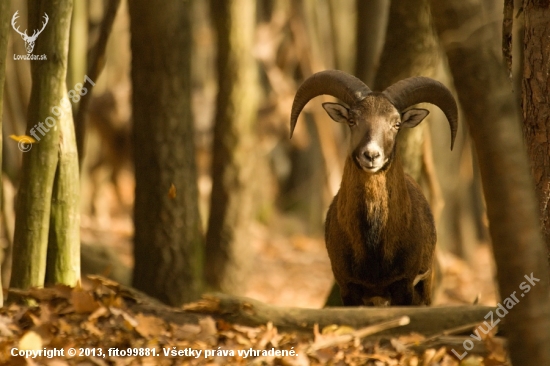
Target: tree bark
x=4, y=33
x=475, y=60
x=32, y=222
x=507, y=34
x=410, y=31
x=372, y=20
x=536, y=103
x=168, y=243
x=233, y=160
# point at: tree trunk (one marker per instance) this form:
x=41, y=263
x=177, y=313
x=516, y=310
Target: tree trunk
x=536, y=103
x=410, y=34
x=372, y=21
x=32, y=222
x=168, y=243
x=63, y=263
x=97, y=61
x=475, y=60
x=343, y=18
x=233, y=160
x=4, y=33
x=78, y=44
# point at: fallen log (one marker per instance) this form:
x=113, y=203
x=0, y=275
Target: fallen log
x=431, y=322
x=427, y=321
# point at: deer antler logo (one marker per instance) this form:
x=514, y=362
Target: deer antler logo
x=29, y=41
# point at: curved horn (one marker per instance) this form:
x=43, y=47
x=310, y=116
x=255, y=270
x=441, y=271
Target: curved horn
x=337, y=83
x=408, y=92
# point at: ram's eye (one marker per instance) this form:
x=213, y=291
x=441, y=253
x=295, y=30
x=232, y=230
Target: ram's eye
x=397, y=124
x=351, y=122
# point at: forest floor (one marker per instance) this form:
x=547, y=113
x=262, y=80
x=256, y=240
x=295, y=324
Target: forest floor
x=289, y=269
x=292, y=268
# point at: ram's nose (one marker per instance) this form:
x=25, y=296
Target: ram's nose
x=371, y=155
x=370, y=158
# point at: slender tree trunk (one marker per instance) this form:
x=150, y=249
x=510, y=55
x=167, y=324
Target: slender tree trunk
x=342, y=19
x=168, y=243
x=507, y=34
x=63, y=264
x=40, y=163
x=232, y=207
x=4, y=29
x=536, y=103
x=97, y=61
x=372, y=21
x=78, y=44
x=475, y=59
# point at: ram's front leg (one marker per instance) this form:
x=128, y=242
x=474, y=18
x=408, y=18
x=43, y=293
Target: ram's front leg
x=352, y=294
x=402, y=292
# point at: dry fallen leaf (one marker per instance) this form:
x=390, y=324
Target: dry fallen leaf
x=208, y=332
x=172, y=191
x=473, y=361
x=149, y=326
x=83, y=301
x=98, y=313
x=92, y=329
x=5, y=323
x=30, y=341
x=23, y=138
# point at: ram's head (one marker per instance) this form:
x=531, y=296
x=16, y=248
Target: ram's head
x=375, y=118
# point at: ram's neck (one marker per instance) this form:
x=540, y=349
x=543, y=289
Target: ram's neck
x=370, y=203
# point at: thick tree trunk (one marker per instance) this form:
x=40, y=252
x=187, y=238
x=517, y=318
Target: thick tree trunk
x=32, y=222
x=475, y=59
x=4, y=33
x=234, y=157
x=536, y=103
x=168, y=244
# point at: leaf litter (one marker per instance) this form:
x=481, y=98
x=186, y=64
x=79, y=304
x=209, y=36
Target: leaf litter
x=100, y=315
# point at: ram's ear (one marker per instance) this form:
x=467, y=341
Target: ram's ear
x=413, y=117
x=337, y=112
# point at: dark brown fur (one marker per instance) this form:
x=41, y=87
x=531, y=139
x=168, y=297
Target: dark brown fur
x=380, y=235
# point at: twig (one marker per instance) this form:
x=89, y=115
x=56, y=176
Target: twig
x=360, y=333
x=447, y=332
